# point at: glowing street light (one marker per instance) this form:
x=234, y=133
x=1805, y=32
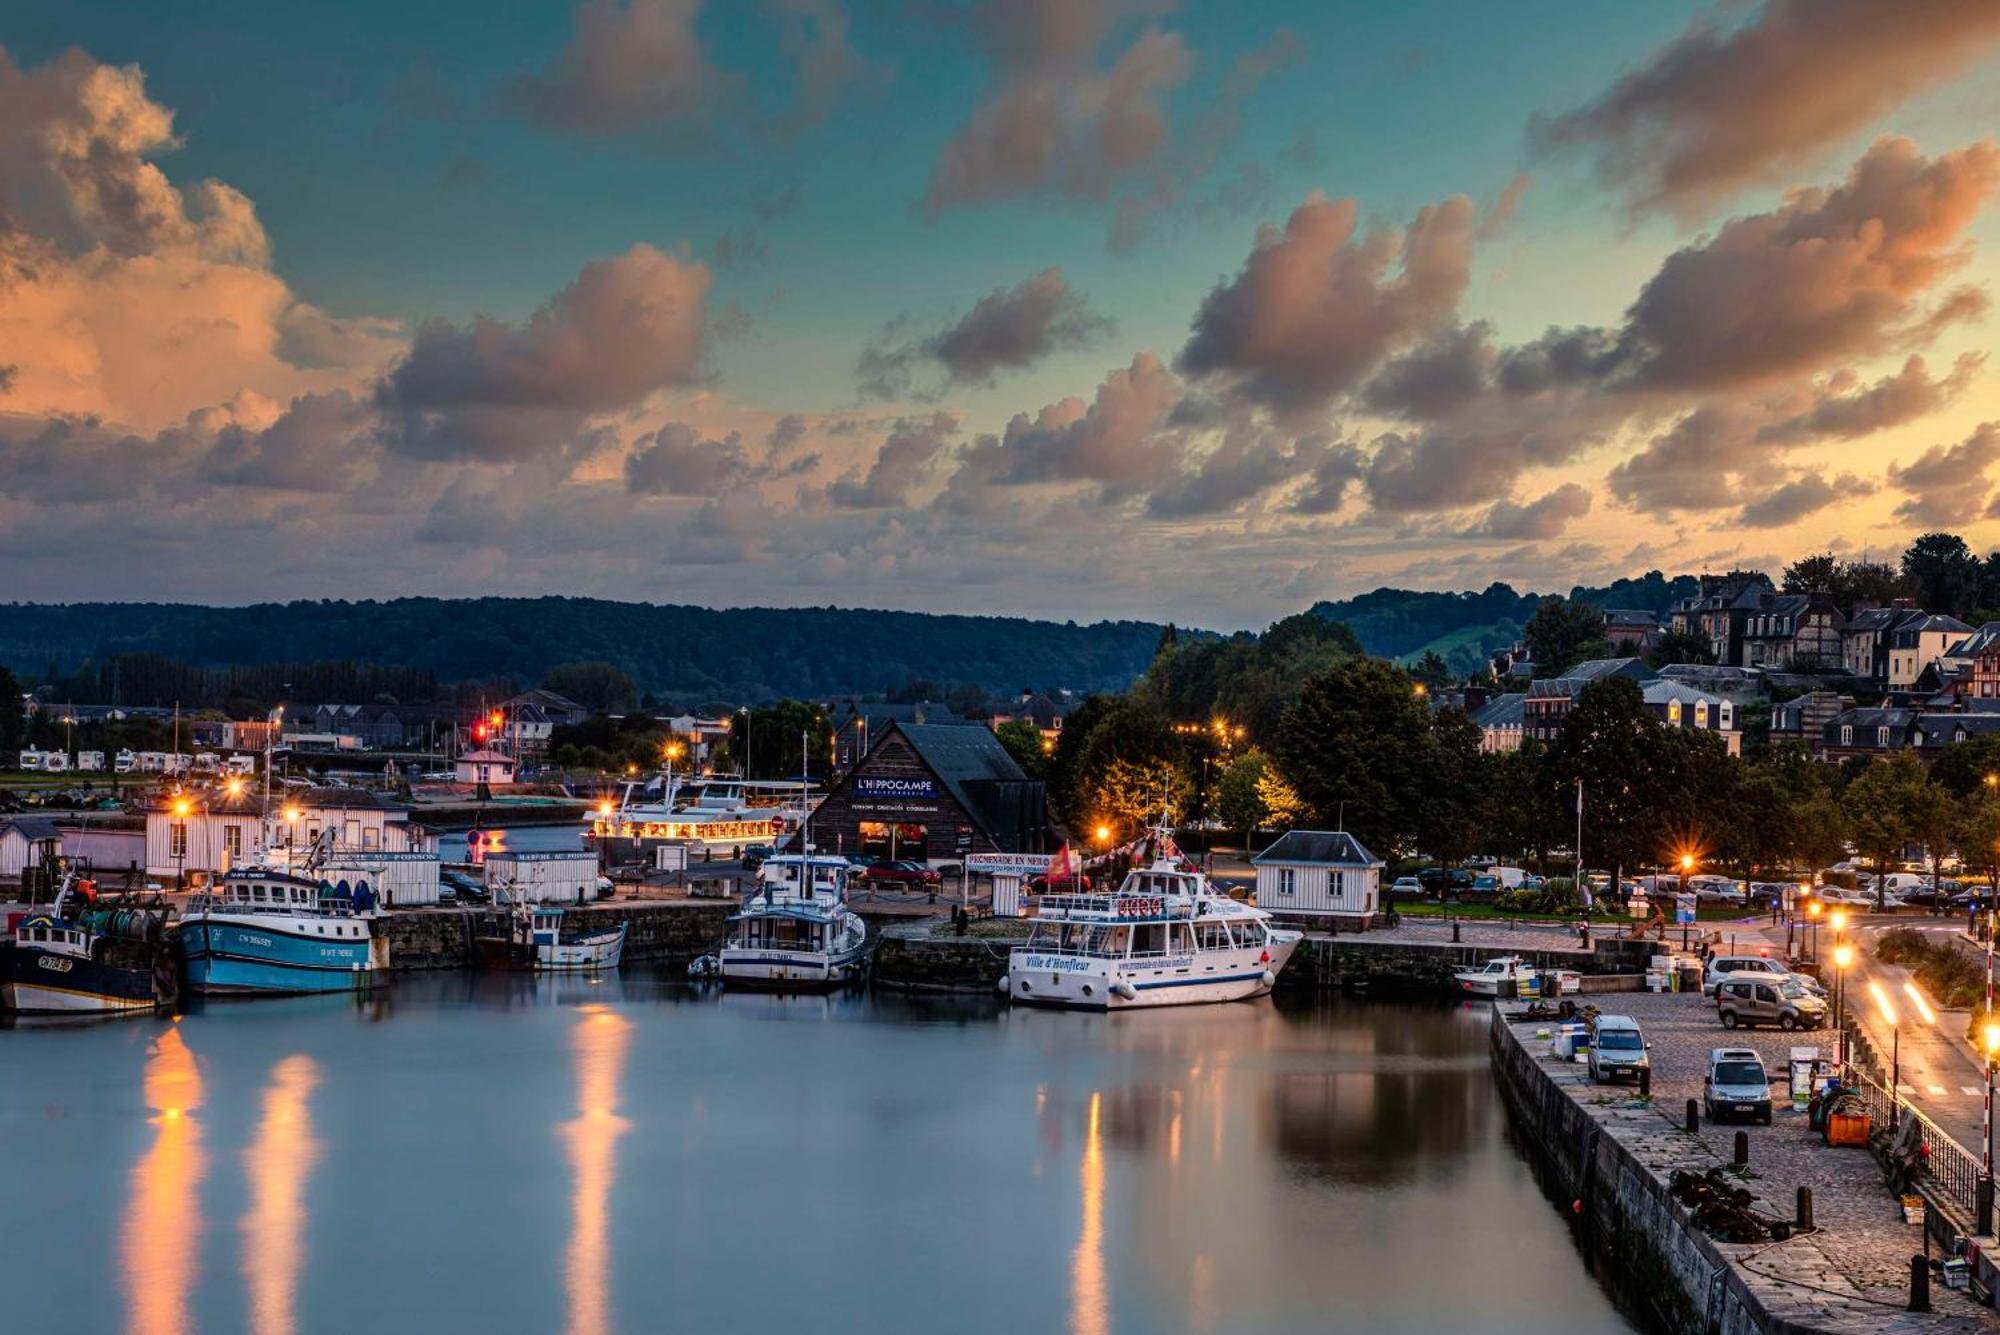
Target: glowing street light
x=1104, y=834
x=1843, y=959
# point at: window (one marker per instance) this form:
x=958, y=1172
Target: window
x=1701, y=714
x=1846, y=734
x=232, y=841
x=1288, y=880
x=371, y=838
x=177, y=839
x=1881, y=736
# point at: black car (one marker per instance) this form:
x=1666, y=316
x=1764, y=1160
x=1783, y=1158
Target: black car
x=463, y=887
x=754, y=855
x=1445, y=882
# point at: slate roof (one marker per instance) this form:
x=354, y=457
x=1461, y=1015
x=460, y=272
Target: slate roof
x=32, y=828
x=1980, y=641
x=1317, y=848
x=1502, y=711
x=1666, y=690
x=1940, y=730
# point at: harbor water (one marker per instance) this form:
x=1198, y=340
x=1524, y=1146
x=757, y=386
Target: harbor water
x=471, y=1153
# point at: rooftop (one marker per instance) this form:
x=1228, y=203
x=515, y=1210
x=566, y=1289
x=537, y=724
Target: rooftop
x=1318, y=848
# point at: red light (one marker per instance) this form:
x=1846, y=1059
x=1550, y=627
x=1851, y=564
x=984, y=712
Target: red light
x=479, y=733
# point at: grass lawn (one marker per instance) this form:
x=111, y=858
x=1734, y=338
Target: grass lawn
x=1469, y=912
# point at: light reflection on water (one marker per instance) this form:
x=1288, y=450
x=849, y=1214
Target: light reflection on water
x=554, y=1155
x=159, y=1244
x=277, y=1163
x=591, y=1138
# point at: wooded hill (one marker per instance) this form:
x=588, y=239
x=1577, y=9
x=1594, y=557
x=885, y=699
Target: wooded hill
x=676, y=652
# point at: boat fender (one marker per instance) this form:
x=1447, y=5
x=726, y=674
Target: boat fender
x=1003, y=984
x=1125, y=990
x=1270, y=979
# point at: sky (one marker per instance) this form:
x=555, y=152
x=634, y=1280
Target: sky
x=1060, y=308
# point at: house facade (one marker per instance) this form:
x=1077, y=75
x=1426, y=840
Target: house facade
x=1319, y=877
x=1792, y=629
x=1550, y=699
x=933, y=791
x=1680, y=706
x=1917, y=642
x=1500, y=721
x=1864, y=641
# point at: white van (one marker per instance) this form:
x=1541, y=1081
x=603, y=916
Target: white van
x=31, y=760
x=1510, y=878
x=1903, y=882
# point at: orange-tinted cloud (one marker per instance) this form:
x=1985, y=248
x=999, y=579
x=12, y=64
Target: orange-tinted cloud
x=1718, y=109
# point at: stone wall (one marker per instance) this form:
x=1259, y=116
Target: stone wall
x=443, y=938
x=909, y=959
x=1639, y=1240
x=1375, y=967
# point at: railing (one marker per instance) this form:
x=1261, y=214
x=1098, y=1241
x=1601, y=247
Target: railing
x=1955, y=1169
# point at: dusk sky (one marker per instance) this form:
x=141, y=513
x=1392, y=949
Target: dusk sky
x=1064, y=308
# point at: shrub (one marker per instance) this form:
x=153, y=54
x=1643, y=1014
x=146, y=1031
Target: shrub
x=1952, y=978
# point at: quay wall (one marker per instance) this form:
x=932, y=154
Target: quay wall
x=443, y=938
x=1640, y=1241
x=909, y=958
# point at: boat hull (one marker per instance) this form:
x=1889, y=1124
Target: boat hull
x=788, y=970
x=234, y=958
x=40, y=982
x=1087, y=983
x=591, y=955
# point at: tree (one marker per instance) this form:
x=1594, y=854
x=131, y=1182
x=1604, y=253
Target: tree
x=1065, y=767
x=1431, y=670
x=1357, y=747
x=1238, y=801
x=1129, y=795
x=1811, y=574
x=1562, y=634
x=1945, y=572
x=13, y=724
x=602, y=688
x=1452, y=819
x=1132, y=764
x=1888, y=805
x=771, y=745
x=1283, y=807
x=1024, y=742
x=1962, y=768
x=1682, y=646
x=1977, y=837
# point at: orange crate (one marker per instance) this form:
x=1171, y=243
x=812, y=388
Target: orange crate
x=1847, y=1129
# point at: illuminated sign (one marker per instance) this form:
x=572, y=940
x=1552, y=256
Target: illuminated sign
x=886, y=786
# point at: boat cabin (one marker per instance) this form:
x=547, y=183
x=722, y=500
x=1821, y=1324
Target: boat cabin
x=278, y=892
x=1140, y=938
x=50, y=934
x=794, y=877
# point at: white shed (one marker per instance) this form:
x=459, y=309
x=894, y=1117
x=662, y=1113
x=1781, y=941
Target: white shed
x=552, y=877
x=23, y=839
x=1316, y=875
x=491, y=768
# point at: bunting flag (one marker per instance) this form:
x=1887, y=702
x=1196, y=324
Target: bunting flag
x=1062, y=866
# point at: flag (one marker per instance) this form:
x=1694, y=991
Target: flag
x=1062, y=866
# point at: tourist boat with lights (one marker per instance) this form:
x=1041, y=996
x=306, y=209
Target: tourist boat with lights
x=86, y=960
x=269, y=927
x=711, y=813
x=1166, y=937
x=795, y=932
x=538, y=939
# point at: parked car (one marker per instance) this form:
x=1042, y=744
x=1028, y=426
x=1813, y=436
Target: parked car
x=901, y=875
x=1043, y=884
x=606, y=887
x=1482, y=888
x=1716, y=890
x=1767, y=893
x=463, y=887
x=1444, y=882
x=1722, y=966
x=1754, y=999
x=1406, y=886
x=1617, y=1049
x=1845, y=898
x=1736, y=1086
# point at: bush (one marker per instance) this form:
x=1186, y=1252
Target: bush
x=1952, y=978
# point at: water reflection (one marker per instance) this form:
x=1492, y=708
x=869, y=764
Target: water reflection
x=599, y=1039
x=277, y=1164
x=162, y=1230
x=1089, y=1314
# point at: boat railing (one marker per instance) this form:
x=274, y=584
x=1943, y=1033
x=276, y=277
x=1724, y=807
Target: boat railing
x=1117, y=908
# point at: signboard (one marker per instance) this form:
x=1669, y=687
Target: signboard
x=962, y=840
x=1007, y=864
x=893, y=788
x=1683, y=909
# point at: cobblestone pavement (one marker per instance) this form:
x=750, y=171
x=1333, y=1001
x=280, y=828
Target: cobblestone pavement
x=1850, y=1275
x=1491, y=933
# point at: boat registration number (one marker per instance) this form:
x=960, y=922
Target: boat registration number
x=54, y=965
x=249, y=940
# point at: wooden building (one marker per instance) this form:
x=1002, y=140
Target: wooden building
x=933, y=792
x=1319, y=876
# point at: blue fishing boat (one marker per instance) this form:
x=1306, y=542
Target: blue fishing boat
x=270, y=930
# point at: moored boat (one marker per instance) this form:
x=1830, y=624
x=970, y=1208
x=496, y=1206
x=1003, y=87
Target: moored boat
x=267, y=930
x=795, y=931
x=1164, y=938
x=86, y=961
x=538, y=939
x=1502, y=976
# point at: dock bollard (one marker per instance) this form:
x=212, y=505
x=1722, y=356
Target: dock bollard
x=1920, y=1283
x=1805, y=1209
x=1742, y=1155
x=1693, y=1116
x=1454, y=931
x=1645, y=1082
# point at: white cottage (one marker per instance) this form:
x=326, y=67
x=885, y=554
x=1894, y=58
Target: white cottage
x=491, y=768
x=23, y=840
x=1319, y=878
x=207, y=831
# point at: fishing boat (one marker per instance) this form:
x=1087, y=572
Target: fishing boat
x=795, y=931
x=538, y=939
x=1165, y=937
x=1502, y=976
x=269, y=929
x=89, y=960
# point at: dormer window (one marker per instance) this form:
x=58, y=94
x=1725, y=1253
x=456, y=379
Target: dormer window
x=1847, y=734
x=1881, y=736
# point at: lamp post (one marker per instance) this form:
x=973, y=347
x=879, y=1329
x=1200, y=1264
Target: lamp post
x=1813, y=910
x=1989, y=1044
x=1687, y=865
x=1843, y=956
x=181, y=810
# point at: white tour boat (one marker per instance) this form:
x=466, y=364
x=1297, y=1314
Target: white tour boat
x=1165, y=938
x=1493, y=978
x=713, y=813
x=795, y=931
x=536, y=940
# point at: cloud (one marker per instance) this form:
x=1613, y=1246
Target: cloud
x=1948, y=483
x=493, y=390
x=1716, y=110
x=627, y=66
x=1438, y=377
x=1843, y=410
x=904, y=459
x=1052, y=120
x=1542, y=518
x=321, y=443
x=1113, y=441
x=813, y=38
x=1327, y=484
x=676, y=461
x=1803, y=495
x=1828, y=275
x=1248, y=463
x=126, y=297
x=1008, y=329
x=1316, y=307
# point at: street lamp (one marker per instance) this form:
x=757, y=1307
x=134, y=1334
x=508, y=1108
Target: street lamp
x=1888, y=1010
x=1843, y=956
x=1989, y=1044
x=1813, y=910
x=1104, y=834
x=181, y=810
